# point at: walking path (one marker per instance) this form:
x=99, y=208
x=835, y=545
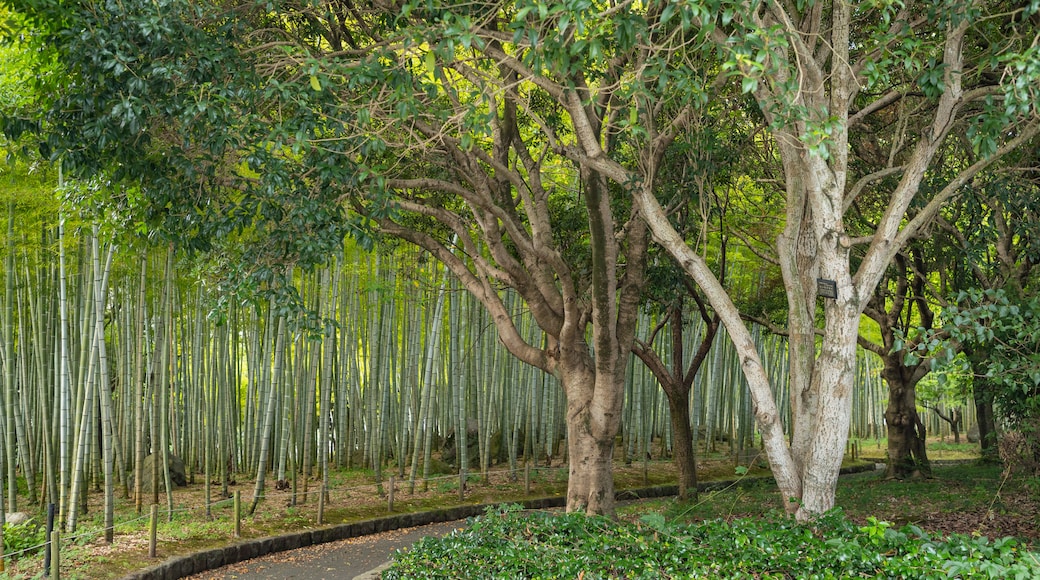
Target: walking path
x=319, y=554
x=359, y=558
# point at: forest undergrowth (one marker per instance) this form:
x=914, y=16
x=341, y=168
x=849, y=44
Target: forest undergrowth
x=974, y=500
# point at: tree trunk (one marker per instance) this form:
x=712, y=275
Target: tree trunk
x=104, y=391
x=677, y=383
x=65, y=388
x=833, y=380
x=424, y=428
x=906, y=435
x=166, y=385
x=594, y=386
x=682, y=444
x=985, y=419
x=591, y=429
x=9, y=370
x=139, y=377
x=982, y=392
x=810, y=474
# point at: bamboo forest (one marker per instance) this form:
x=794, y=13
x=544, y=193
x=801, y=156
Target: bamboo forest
x=406, y=359
x=282, y=259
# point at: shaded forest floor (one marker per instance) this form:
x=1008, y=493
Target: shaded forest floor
x=964, y=498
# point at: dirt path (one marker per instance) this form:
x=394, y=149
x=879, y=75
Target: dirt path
x=340, y=560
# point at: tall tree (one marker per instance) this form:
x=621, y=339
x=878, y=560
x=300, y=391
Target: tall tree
x=536, y=133
x=994, y=241
x=900, y=307
x=816, y=71
x=676, y=379
x=525, y=217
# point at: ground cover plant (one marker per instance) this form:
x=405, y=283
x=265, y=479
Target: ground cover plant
x=353, y=496
x=507, y=543
x=965, y=498
x=968, y=499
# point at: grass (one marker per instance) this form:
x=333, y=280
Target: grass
x=938, y=449
x=354, y=497
x=967, y=498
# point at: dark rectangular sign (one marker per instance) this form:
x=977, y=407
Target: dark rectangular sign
x=826, y=288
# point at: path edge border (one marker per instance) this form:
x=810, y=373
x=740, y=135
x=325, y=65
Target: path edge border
x=178, y=567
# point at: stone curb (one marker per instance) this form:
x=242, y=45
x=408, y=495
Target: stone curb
x=187, y=565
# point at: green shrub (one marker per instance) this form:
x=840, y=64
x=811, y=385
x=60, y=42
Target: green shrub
x=27, y=536
x=510, y=544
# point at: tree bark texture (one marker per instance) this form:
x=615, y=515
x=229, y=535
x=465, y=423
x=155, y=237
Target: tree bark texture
x=591, y=429
x=683, y=445
x=907, y=456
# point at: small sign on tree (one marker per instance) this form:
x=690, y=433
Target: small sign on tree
x=826, y=288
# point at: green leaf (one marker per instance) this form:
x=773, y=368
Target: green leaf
x=315, y=83
x=748, y=84
x=654, y=520
x=430, y=62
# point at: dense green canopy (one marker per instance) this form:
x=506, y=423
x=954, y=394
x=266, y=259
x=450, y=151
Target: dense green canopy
x=501, y=136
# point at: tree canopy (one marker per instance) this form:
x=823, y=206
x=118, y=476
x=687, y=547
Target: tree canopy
x=526, y=144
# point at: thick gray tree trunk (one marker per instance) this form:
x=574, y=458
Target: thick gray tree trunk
x=907, y=456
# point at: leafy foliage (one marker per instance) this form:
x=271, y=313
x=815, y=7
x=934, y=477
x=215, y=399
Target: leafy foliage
x=1009, y=330
x=28, y=536
x=168, y=124
x=261, y=123
x=512, y=544
x=947, y=387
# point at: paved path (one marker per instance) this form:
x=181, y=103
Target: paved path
x=342, y=560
